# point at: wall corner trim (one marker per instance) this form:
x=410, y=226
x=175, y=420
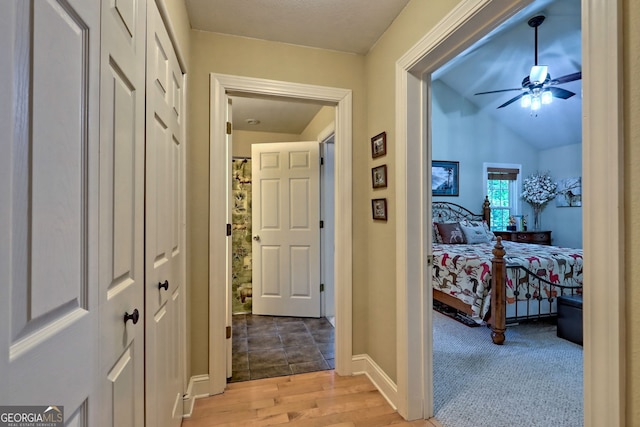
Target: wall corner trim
x=198, y=388
x=363, y=364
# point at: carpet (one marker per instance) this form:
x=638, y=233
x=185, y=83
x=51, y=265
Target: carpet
x=534, y=379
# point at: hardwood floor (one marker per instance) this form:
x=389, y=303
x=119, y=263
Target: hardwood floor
x=308, y=400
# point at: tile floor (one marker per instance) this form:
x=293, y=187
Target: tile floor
x=272, y=346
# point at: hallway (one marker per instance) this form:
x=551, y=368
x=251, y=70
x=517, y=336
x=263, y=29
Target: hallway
x=272, y=346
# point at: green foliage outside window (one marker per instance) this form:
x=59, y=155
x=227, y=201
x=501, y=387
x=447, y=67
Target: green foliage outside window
x=500, y=196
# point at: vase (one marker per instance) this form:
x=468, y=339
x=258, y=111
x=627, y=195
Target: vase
x=536, y=218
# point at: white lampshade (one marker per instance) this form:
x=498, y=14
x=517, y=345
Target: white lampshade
x=525, y=101
x=546, y=97
x=535, y=103
x=538, y=74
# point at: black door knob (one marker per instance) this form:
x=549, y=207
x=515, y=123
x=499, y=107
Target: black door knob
x=164, y=285
x=135, y=316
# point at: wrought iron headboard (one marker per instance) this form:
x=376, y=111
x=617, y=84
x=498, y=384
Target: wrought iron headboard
x=453, y=212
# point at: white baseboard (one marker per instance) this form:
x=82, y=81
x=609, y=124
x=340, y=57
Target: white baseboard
x=198, y=387
x=363, y=364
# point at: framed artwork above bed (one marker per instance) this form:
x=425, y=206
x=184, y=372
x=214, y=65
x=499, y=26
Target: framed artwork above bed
x=445, y=178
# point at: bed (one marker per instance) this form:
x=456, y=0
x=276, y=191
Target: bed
x=495, y=281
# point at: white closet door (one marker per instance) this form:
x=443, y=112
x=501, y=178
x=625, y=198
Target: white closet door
x=121, y=213
x=49, y=164
x=164, y=257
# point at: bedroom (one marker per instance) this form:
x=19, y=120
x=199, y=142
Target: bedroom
x=473, y=133
x=472, y=130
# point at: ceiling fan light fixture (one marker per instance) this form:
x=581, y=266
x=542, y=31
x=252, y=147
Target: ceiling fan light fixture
x=535, y=103
x=538, y=74
x=525, y=101
x=546, y=97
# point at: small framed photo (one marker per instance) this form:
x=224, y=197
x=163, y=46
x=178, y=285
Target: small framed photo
x=445, y=178
x=379, y=145
x=379, y=209
x=379, y=176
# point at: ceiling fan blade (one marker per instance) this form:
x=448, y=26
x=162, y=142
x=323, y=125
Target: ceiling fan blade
x=514, y=99
x=498, y=91
x=566, y=79
x=561, y=93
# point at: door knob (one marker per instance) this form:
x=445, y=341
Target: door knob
x=133, y=316
x=164, y=285
x=256, y=238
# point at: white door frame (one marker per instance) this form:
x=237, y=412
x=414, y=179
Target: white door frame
x=603, y=222
x=222, y=84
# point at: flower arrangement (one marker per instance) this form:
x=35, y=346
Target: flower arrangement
x=538, y=190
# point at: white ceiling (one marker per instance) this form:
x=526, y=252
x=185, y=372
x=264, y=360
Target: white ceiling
x=499, y=61
x=274, y=115
x=344, y=25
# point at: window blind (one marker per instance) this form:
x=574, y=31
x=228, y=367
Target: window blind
x=502, y=174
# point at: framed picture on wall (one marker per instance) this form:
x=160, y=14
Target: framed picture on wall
x=379, y=145
x=379, y=176
x=379, y=209
x=445, y=178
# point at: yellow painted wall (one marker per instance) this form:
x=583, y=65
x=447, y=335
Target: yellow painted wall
x=372, y=80
x=261, y=59
x=242, y=140
x=631, y=85
x=416, y=20
x=324, y=117
x=178, y=25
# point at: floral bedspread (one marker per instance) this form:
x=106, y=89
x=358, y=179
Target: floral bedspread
x=464, y=271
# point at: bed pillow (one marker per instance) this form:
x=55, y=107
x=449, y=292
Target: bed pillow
x=484, y=225
x=436, y=236
x=490, y=234
x=450, y=232
x=474, y=232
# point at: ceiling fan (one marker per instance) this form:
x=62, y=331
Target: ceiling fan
x=538, y=87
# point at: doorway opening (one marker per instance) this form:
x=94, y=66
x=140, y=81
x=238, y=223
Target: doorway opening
x=266, y=139
x=476, y=122
x=602, y=147
x=223, y=86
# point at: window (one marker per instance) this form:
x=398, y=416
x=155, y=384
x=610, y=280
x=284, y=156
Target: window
x=502, y=182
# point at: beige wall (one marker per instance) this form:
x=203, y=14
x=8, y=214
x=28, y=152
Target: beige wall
x=322, y=120
x=242, y=140
x=417, y=19
x=178, y=26
x=374, y=271
x=631, y=85
x=215, y=53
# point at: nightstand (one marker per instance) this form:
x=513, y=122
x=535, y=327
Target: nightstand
x=538, y=237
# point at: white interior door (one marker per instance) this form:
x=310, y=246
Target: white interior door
x=49, y=100
x=164, y=252
x=286, y=229
x=122, y=103
x=328, y=231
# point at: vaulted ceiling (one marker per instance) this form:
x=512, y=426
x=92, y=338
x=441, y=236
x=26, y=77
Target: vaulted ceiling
x=499, y=61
